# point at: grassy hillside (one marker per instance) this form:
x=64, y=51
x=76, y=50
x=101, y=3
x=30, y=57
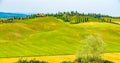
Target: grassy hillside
x=52, y=36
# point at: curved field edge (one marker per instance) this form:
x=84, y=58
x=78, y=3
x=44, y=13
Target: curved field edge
x=114, y=57
x=51, y=36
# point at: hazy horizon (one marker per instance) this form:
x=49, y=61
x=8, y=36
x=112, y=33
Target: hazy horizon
x=107, y=7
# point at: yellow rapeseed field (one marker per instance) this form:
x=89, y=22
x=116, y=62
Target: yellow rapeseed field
x=115, y=57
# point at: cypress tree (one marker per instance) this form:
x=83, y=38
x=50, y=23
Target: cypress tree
x=79, y=19
x=110, y=20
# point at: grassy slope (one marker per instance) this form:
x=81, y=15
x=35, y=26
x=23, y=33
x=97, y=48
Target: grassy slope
x=51, y=36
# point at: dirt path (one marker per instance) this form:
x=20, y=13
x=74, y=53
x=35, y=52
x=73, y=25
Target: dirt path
x=115, y=57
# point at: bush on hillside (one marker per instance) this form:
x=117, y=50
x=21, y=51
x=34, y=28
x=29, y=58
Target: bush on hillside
x=91, y=50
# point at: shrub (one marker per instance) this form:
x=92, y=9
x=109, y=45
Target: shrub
x=31, y=61
x=92, y=61
x=91, y=50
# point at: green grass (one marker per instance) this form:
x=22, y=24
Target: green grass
x=51, y=36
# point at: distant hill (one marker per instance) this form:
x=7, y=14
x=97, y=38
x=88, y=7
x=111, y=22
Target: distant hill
x=9, y=15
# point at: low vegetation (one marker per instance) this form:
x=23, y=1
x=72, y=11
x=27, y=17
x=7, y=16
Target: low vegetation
x=31, y=61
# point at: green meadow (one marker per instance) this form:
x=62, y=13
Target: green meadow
x=45, y=36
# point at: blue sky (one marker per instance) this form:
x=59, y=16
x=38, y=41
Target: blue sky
x=108, y=7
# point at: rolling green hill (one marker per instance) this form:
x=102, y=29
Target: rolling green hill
x=52, y=36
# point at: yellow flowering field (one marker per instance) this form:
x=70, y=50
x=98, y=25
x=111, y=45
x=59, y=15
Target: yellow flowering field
x=115, y=57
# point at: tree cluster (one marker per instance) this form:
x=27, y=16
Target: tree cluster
x=106, y=20
x=10, y=20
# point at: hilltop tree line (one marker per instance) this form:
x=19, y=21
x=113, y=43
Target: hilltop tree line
x=10, y=20
x=80, y=17
x=65, y=16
